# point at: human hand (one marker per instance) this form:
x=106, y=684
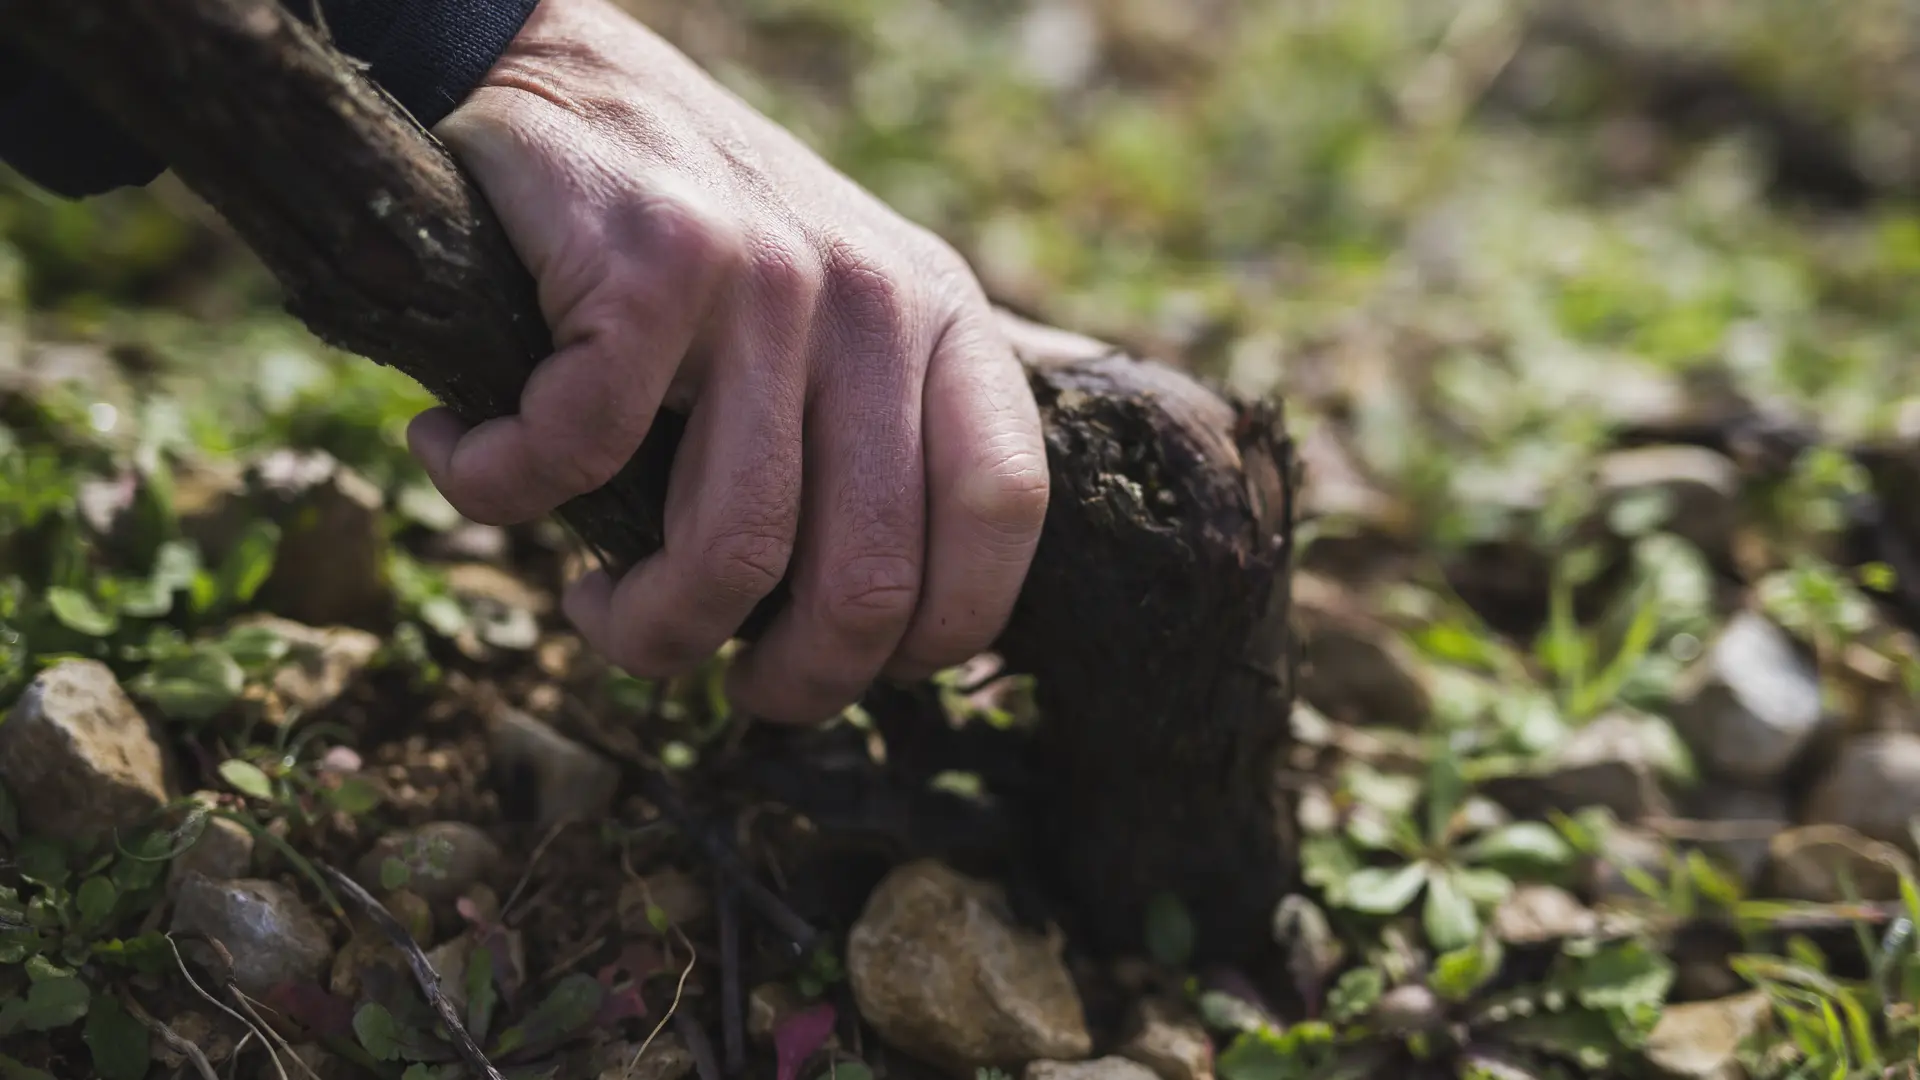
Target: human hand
x=855, y=415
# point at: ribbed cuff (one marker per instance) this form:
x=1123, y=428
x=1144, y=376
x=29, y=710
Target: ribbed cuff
x=428, y=54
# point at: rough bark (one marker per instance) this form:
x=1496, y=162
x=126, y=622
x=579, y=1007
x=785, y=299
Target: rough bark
x=1154, y=617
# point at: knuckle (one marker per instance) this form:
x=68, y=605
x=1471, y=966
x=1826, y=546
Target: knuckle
x=746, y=562
x=785, y=273
x=1010, y=493
x=869, y=595
x=869, y=295
x=688, y=235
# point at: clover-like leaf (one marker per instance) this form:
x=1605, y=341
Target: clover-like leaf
x=378, y=1032
x=117, y=1041
x=76, y=611
x=1450, y=920
x=1533, y=843
x=246, y=778
x=198, y=685
x=1383, y=890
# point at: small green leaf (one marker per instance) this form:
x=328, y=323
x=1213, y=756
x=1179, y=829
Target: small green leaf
x=1449, y=918
x=255, y=646
x=95, y=901
x=50, y=1003
x=394, y=873
x=1169, y=930
x=567, y=1008
x=15, y=1070
x=196, y=686
x=1380, y=890
x=77, y=612
x=1530, y=842
x=354, y=796
x=377, y=1031
x=246, y=778
x=1486, y=888
x=1446, y=788
x=1355, y=994
x=117, y=1041
x=248, y=565
x=481, y=998
x=1457, y=974
x=1622, y=976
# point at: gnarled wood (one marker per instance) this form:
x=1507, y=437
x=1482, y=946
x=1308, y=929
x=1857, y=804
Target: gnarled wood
x=1154, y=615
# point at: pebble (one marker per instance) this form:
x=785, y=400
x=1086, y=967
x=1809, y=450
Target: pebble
x=1872, y=787
x=564, y=779
x=1354, y=668
x=941, y=972
x=1170, y=1041
x=443, y=859
x=222, y=852
x=1751, y=704
x=1616, y=760
x=330, y=565
x=78, y=756
x=265, y=926
x=1700, y=1040
x=1820, y=863
x=321, y=664
x=1106, y=1068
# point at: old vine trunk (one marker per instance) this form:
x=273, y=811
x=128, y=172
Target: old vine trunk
x=1154, y=617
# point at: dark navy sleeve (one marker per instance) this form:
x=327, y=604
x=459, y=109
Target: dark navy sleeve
x=427, y=53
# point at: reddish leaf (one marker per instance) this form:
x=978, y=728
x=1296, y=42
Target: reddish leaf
x=623, y=1004
x=800, y=1036
x=638, y=961
x=320, y=1012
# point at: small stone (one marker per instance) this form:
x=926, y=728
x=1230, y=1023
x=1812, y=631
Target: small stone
x=1829, y=864
x=1701, y=1040
x=1533, y=913
x=443, y=858
x=198, y=1029
x=939, y=969
x=1872, y=787
x=1362, y=533
x=665, y=1058
x=767, y=1006
x=470, y=541
x=330, y=566
x=1743, y=820
x=321, y=665
x=78, y=756
x=1751, y=704
x=209, y=501
x=1354, y=668
x=222, y=852
x=679, y=896
x=1106, y=1068
x=505, y=611
x=264, y=925
x=1697, y=488
x=1616, y=760
x=1170, y=1041
x=564, y=780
